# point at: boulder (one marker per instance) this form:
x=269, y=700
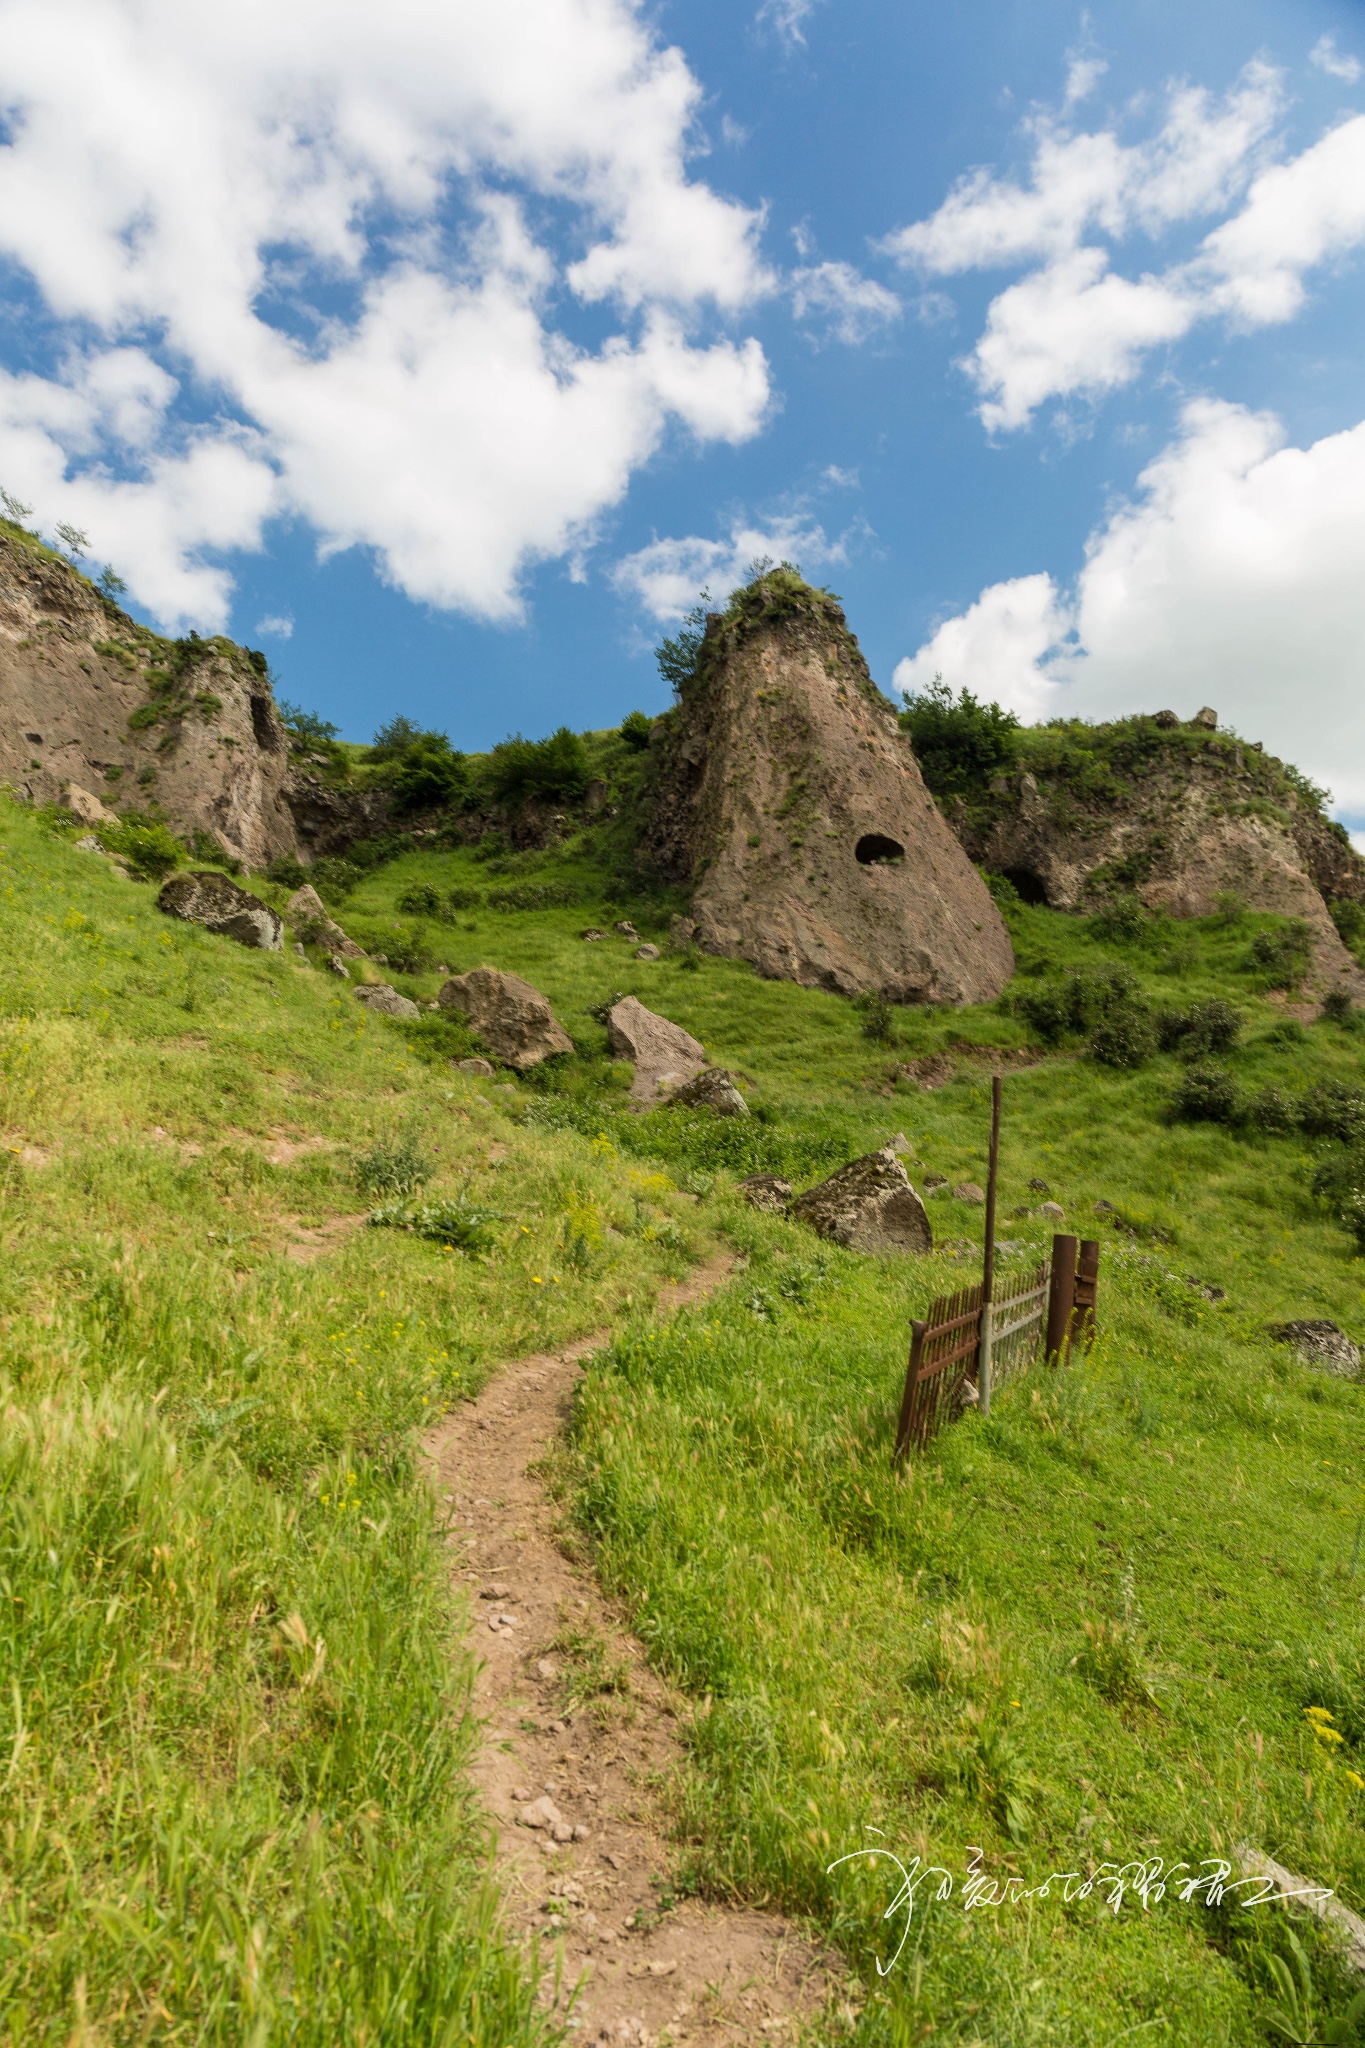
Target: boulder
x=87, y=808
x=513, y=1019
x=869, y=1206
x=665, y=1056
x=646, y=952
x=1053, y=1211
x=215, y=902
x=480, y=1067
x=591, y=935
x=1321, y=1344
x=713, y=1089
x=307, y=912
x=765, y=1191
x=968, y=1191
x=900, y=1145
x=378, y=996
x=626, y=929
x=338, y=967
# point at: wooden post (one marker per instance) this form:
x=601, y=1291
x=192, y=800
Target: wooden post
x=1061, y=1298
x=918, y=1332
x=983, y=1381
x=1082, y=1330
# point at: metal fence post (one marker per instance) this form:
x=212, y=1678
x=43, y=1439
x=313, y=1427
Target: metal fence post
x=1060, y=1298
x=1082, y=1330
x=983, y=1380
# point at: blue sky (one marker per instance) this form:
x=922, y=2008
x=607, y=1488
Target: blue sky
x=444, y=351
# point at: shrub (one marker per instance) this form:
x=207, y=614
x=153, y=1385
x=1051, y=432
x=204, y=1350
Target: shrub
x=1123, y=918
x=1281, y=958
x=430, y=774
x=1341, y=1182
x=1212, y=1027
x=463, y=899
x=1125, y=1038
x=421, y=900
x=679, y=657
x=635, y=730
x=150, y=848
x=393, y=1166
x=534, y=896
x=1349, y=919
x=1332, y=1110
x=879, y=1019
x=959, y=743
x=1338, y=1008
x=1104, y=1005
x=1206, y=1094
x=553, y=770
x=333, y=877
x=288, y=872
x=305, y=728
x=454, y=1222
x=1273, y=1113
x=393, y=740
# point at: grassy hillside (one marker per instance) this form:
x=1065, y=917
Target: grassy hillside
x=1082, y=1631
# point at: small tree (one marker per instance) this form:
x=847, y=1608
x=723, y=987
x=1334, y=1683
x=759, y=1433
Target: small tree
x=73, y=540
x=958, y=742
x=15, y=509
x=679, y=654
x=111, y=585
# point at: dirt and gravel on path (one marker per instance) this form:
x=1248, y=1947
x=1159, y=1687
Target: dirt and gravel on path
x=579, y=1736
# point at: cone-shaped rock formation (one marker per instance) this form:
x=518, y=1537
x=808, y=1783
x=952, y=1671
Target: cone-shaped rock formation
x=788, y=795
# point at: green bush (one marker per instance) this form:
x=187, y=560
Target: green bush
x=635, y=729
x=1281, y=958
x=1331, y=1109
x=1124, y=918
x=1349, y=919
x=430, y=775
x=553, y=770
x=879, y=1019
x=454, y=1222
x=1125, y=1038
x=959, y=743
x=288, y=872
x=1272, y=1112
x=534, y=896
x=1338, y=1008
x=150, y=848
x=334, y=878
x=463, y=899
x=421, y=900
x=1206, y=1094
x=393, y=1166
x=679, y=656
x=1211, y=1027
x=1102, y=1002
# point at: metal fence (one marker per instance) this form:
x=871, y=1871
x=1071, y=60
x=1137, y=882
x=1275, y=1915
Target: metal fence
x=967, y=1344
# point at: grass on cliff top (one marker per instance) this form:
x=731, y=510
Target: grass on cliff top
x=233, y=1709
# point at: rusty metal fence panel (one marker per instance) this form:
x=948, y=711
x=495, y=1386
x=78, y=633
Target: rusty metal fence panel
x=1017, y=1316
x=943, y=1349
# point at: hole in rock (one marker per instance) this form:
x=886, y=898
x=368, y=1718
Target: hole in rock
x=875, y=846
x=263, y=725
x=1028, y=887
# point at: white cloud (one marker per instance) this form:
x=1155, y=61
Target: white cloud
x=272, y=628
x=1328, y=58
x=1083, y=74
x=667, y=577
x=853, y=308
x=786, y=18
x=1232, y=579
x=1072, y=325
x=176, y=172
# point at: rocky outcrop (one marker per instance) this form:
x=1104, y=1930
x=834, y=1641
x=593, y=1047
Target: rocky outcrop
x=86, y=807
x=308, y=914
x=713, y=1089
x=869, y=1206
x=328, y=817
x=90, y=699
x=787, y=795
x=768, y=1191
x=665, y=1057
x=513, y=1019
x=1181, y=815
x=216, y=903
x=1322, y=1344
x=385, y=1001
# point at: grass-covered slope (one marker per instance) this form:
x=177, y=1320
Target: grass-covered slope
x=234, y=1805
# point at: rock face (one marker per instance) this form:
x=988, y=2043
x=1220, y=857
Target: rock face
x=88, y=697
x=513, y=1019
x=378, y=996
x=788, y=796
x=869, y=1206
x=665, y=1056
x=87, y=808
x=1181, y=815
x=308, y=914
x=713, y=1089
x=216, y=903
x=1322, y=1344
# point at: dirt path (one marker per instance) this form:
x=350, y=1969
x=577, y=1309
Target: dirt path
x=581, y=1856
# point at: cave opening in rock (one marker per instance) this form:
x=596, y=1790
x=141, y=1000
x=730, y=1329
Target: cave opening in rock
x=1027, y=886
x=874, y=849
x=263, y=725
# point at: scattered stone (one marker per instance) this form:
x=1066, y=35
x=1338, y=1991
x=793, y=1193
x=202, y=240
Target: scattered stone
x=968, y=1191
x=580, y=1833
x=89, y=844
x=300, y=951
x=87, y=808
x=1105, y=1209
x=1321, y=1344
x=664, y=1055
x=1165, y=719
x=386, y=1001
x=624, y=926
x=868, y=1205
x=591, y=935
x=1205, y=1287
x=900, y=1145
x=338, y=967
x=541, y=1813
x=616, y=1862
x=522, y=1795
x=307, y=913
x=1039, y=1187
x=713, y=1089
x=1205, y=720
x=217, y=904
x=647, y=952
x=545, y=1669
x=496, y=1593
x=765, y=1191
x=513, y=1019
x=561, y=1831
x=1054, y=1211
x=481, y=1067
x=934, y=1181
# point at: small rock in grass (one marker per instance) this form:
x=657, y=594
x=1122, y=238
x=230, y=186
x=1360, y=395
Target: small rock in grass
x=480, y=1067
x=714, y=1089
x=541, y=1813
x=647, y=952
x=624, y=926
x=765, y=1191
x=591, y=935
x=339, y=967
x=218, y=905
x=1039, y=1187
x=385, y=1001
x=868, y=1206
x=1054, y=1211
x=934, y=1181
x=1320, y=1343
x=545, y=1669
x=496, y=1593
x=299, y=950
x=1105, y=1209
x=900, y=1145
x=968, y=1191
x=521, y=1795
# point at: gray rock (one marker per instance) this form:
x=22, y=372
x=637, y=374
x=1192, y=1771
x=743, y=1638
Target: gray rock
x=307, y=913
x=86, y=807
x=338, y=967
x=89, y=844
x=647, y=952
x=1206, y=720
x=868, y=1205
x=665, y=1056
x=626, y=929
x=378, y=996
x=481, y=1067
x=1165, y=719
x=1039, y=1187
x=934, y=1181
x=713, y=1089
x=968, y=1191
x=900, y=1145
x=215, y=902
x=1321, y=1344
x=765, y=1191
x=299, y=950
x=592, y=935
x=1054, y=1211
x=1105, y=1209
x=513, y=1019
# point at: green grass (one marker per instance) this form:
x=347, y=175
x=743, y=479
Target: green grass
x=213, y=1830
